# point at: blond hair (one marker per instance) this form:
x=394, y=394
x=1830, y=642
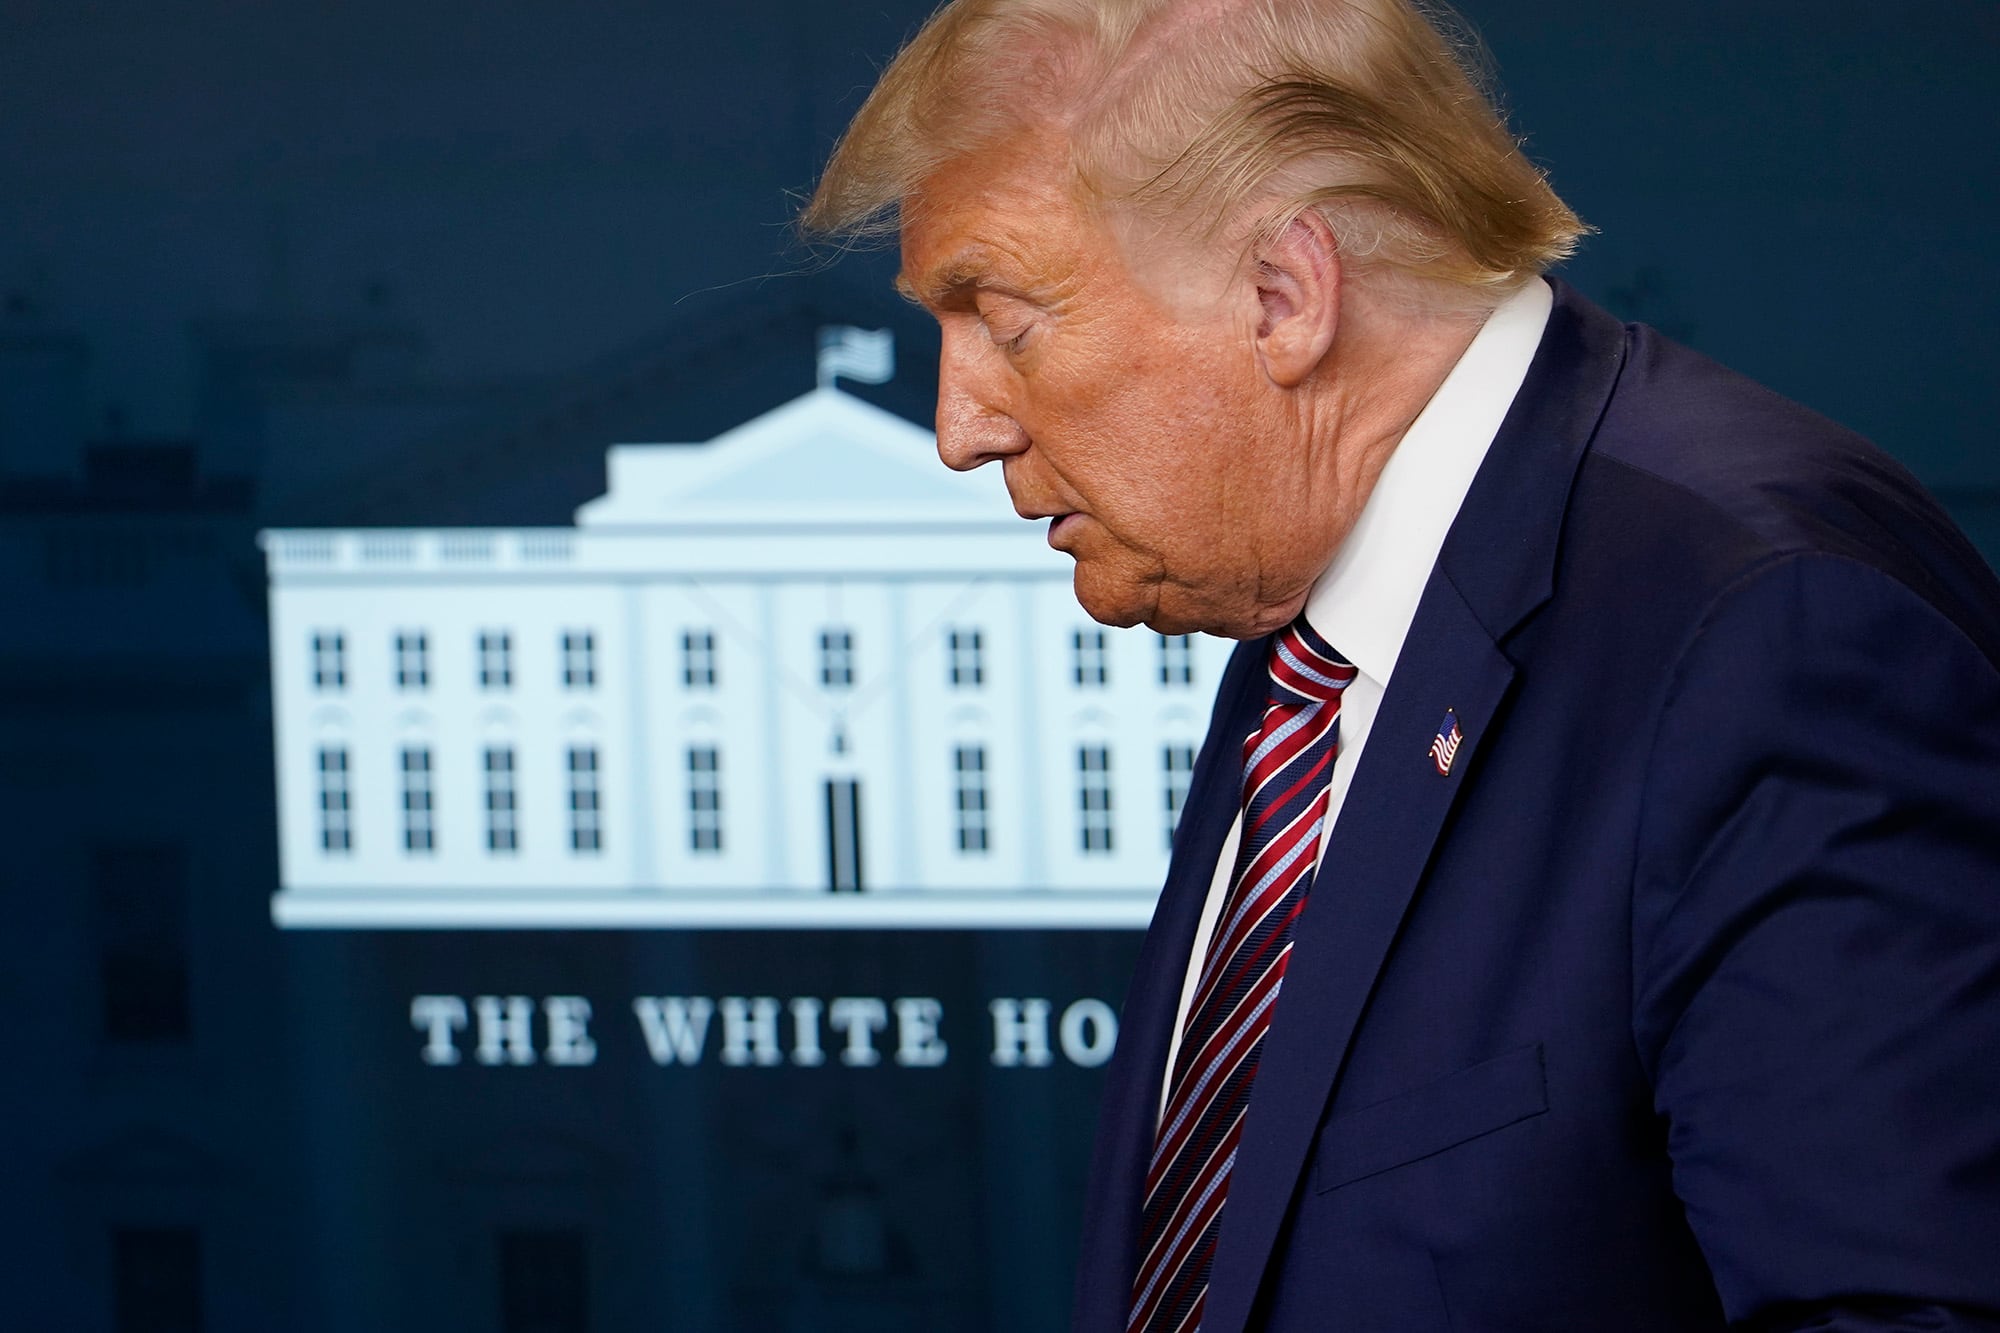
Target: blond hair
x=1194, y=111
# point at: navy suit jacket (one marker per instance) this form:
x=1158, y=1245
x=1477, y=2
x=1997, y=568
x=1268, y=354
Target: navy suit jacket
x=1676, y=1005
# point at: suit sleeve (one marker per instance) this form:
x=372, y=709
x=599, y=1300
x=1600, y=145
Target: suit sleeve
x=1816, y=952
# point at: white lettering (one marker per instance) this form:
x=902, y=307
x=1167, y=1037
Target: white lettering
x=1088, y=1031
x=805, y=1031
x=861, y=1017
x=918, y=1045
x=506, y=1036
x=676, y=1027
x=1020, y=1032
x=750, y=1031
x=754, y=1031
x=570, y=1043
x=438, y=1017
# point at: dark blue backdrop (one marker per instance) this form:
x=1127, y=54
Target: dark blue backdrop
x=379, y=263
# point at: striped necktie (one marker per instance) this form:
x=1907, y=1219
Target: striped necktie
x=1287, y=763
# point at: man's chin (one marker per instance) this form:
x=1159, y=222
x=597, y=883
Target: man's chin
x=1123, y=605
x=1106, y=602
x=1123, y=609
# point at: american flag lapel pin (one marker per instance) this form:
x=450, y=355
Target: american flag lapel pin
x=1444, y=745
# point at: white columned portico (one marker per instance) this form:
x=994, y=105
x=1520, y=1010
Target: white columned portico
x=631, y=722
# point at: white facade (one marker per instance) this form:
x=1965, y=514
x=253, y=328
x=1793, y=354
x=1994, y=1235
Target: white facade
x=654, y=718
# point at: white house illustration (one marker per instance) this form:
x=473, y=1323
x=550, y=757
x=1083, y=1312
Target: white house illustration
x=799, y=676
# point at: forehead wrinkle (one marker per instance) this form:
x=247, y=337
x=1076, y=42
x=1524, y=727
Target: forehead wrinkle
x=1007, y=221
x=983, y=265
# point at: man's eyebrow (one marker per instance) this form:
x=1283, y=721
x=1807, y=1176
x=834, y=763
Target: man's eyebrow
x=956, y=275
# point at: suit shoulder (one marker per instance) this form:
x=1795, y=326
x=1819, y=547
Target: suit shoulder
x=1699, y=471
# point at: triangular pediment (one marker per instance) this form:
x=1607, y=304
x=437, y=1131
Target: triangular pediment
x=823, y=458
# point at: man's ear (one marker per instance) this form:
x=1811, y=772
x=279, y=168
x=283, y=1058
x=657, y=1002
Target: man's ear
x=1296, y=271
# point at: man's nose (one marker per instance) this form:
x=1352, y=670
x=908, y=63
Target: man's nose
x=973, y=424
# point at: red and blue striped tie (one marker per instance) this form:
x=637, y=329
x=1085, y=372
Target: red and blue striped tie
x=1287, y=763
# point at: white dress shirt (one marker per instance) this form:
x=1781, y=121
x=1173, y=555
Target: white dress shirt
x=1363, y=604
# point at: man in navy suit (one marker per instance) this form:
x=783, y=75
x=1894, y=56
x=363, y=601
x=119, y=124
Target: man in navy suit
x=1586, y=913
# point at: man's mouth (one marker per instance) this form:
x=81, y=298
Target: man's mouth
x=1056, y=522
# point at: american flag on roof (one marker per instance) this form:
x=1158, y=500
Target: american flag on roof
x=1444, y=745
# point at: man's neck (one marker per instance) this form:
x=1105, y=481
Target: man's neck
x=1387, y=365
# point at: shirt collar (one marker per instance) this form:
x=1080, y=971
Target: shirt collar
x=1363, y=604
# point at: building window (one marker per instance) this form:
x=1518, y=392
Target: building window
x=705, y=798
x=336, y=801
x=579, y=659
x=329, y=660
x=698, y=659
x=966, y=649
x=419, y=807
x=544, y=1282
x=1176, y=659
x=502, y=828
x=1093, y=789
x=968, y=764
x=496, y=659
x=586, y=828
x=1088, y=664
x=836, y=658
x=413, y=660
x=156, y=1280
x=1177, y=763
x=141, y=898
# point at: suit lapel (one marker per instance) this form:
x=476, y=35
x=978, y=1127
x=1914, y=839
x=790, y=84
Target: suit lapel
x=1374, y=861
x=1495, y=569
